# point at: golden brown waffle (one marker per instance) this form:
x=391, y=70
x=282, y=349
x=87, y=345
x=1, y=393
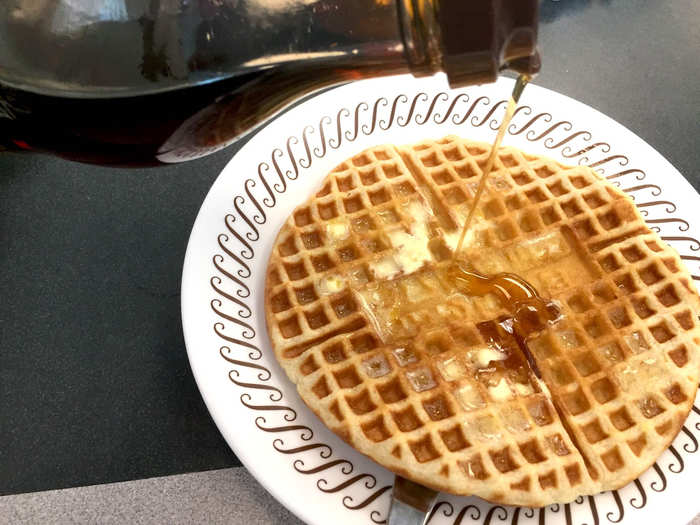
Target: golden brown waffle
x=427, y=380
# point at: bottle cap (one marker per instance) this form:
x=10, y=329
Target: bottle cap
x=481, y=37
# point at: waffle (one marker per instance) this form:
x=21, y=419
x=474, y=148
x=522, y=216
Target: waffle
x=428, y=380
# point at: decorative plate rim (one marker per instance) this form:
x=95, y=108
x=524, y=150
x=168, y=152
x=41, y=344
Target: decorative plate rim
x=283, y=164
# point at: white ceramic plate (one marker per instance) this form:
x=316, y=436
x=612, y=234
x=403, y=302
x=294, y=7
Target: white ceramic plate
x=304, y=465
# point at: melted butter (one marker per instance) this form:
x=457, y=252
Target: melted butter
x=485, y=428
x=485, y=356
x=385, y=268
x=451, y=369
x=337, y=229
x=331, y=284
x=500, y=392
x=411, y=249
x=411, y=246
x=469, y=397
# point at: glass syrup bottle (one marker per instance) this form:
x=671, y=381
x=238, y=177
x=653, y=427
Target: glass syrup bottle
x=147, y=82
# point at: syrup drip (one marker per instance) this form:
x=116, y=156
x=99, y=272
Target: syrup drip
x=529, y=313
x=520, y=84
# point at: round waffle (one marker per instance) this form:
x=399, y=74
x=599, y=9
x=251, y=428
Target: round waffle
x=428, y=380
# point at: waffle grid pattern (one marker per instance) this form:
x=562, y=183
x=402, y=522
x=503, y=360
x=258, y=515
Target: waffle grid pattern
x=365, y=322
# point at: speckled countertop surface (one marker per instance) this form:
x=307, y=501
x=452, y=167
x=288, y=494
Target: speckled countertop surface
x=96, y=396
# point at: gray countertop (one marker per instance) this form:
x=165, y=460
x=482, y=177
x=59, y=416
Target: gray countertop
x=95, y=388
x=201, y=497
x=215, y=497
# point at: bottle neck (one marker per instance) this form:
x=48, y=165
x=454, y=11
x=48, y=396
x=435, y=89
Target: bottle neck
x=470, y=40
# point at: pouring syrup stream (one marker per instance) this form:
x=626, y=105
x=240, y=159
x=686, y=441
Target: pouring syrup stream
x=530, y=313
x=520, y=84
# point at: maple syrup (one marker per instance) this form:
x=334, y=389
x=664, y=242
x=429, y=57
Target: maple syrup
x=520, y=84
x=529, y=313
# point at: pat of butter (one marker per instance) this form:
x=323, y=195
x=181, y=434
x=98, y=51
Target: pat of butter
x=337, y=229
x=500, y=392
x=488, y=354
x=413, y=254
x=385, y=268
x=331, y=284
x=411, y=248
